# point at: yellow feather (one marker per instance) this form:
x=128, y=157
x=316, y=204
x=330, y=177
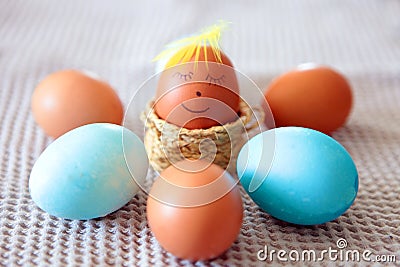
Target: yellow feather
x=205, y=52
x=188, y=47
x=196, y=57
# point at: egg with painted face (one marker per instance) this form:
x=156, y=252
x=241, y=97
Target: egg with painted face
x=200, y=93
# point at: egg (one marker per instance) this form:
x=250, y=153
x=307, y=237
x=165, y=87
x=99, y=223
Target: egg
x=68, y=99
x=195, y=210
x=298, y=175
x=310, y=96
x=199, y=95
x=83, y=174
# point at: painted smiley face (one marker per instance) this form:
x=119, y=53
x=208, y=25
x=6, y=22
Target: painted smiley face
x=198, y=96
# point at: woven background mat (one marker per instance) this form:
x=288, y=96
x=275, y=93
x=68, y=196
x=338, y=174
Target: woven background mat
x=118, y=39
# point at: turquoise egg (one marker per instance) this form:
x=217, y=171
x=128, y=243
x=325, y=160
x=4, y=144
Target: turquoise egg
x=83, y=174
x=298, y=175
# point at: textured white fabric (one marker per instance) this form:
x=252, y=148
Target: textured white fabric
x=118, y=39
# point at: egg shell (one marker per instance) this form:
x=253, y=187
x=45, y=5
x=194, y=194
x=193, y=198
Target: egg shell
x=195, y=210
x=83, y=174
x=199, y=95
x=298, y=175
x=68, y=99
x=310, y=96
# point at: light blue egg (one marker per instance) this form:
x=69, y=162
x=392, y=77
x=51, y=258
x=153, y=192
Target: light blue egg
x=83, y=174
x=298, y=175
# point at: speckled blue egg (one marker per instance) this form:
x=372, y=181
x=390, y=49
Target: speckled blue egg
x=298, y=175
x=83, y=174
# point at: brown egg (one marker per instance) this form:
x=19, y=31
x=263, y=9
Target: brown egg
x=199, y=95
x=195, y=210
x=68, y=99
x=310, y=96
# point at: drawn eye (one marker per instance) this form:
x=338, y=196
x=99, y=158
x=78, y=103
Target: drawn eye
x=183, y=76
x=213, y=80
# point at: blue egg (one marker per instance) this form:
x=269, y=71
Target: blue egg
x=298, y=175
x=83, y=174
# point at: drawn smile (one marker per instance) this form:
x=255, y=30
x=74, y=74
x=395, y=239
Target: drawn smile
x=194, y=111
